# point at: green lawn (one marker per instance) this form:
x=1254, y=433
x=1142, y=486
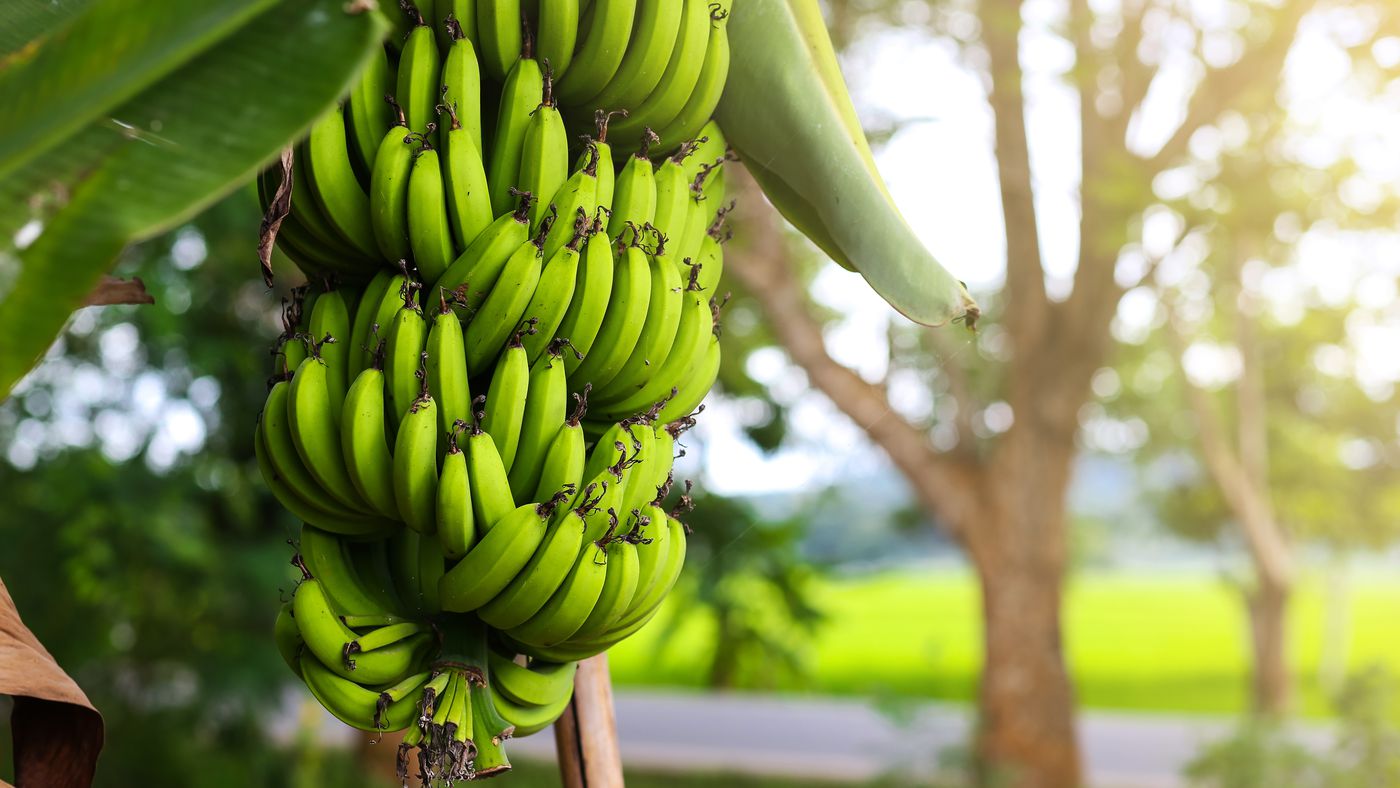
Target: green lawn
x=1142, y=641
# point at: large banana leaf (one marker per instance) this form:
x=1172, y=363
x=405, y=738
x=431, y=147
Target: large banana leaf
x=787, y=113
x=162, y=155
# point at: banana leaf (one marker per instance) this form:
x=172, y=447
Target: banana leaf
x=163, y=154
x=788, y=115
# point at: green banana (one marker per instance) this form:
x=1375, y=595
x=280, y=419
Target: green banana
x=565, y=457
x=627, y=311
x=326, y=556
x=711, y=260
x=618, y=589
x=569, y=606
x=334, y=186
x=363, y=339
x=709, y=87
x=390, y=710
x=695, y=385
x=447, y=368
x=558, y=33
x=652, y=537
x=368, y=115
x=285, y=459
x=606, y=176
x=673, y=192
x=544, y=153
x=664, y=579
x=506, y=398
x=554, y=291
x=321, y=236
x=824, y=182
x=315, y=434
x=692, y=336
x=605, y=43
x=388, y=191
x=463, y=12
x=370, y=561
x=634, y=192
x=648, y=52
x=658, y=331
x=420, y=67
x=539, y=684
x=330, y=318
x=456, y=523
x=461, y=87
x=542, y=415
x=486, y=474
x=500, y=314
x=592, y=289
x=481, y=264
x=530, y=720
x=574, y=204
x=520, y=95
x=682, y=71
x=496, y=559
x=339, y=522
x=498, y=31
x=415, y=463
x=407, y=337
x=327, y=637
x=550, y=563
x=429, y=231
x=464, y=177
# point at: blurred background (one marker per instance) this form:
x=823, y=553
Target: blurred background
x=1138, y=528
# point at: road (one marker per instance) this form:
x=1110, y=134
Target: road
x=852, y=740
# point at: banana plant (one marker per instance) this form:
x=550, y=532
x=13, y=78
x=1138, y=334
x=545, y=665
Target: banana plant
x=788, y=115
x=121, y=118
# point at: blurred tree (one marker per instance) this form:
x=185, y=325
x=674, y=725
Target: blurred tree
x=1006, y=423
x=1291, y=440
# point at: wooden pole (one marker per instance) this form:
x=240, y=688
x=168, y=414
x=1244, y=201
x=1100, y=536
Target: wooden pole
x=585, y=736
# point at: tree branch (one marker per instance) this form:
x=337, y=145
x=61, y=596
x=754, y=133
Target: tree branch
x=759, y=258
x=1249, y=502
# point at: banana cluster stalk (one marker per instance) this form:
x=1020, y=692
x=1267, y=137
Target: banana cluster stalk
x=475, y=404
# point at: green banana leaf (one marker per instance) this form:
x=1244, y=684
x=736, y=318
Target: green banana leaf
x=163, y=155
x=100, y=58
x=788, y=115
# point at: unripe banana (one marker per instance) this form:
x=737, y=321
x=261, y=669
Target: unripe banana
x=407, y=338
x=605, y=43
x=464, y=177
x=486, y=473
x=551, y=562
x=365, y=442
x=529, y=720
x=658, y=332
x=692, y=337
x=461, y=87
x=498, y=30
x=558, y=33
x=334, y=186
x=555, y=291
x=618, y=590
x=634, y=193
x=627, y=310
x=316, y=436
x=481, y=264
x=568, y=608
x=390, y=710
x=574, y=205
x=520, y=95
x=592, y=289
x=565, y=458
x=420, y=67
x=709, y=86
x=496, y=559
x=544, y=155
x=327, y=637
x=429, y=231
x=363, y=340
x=506, y=398
x=367, y=114
x=546, y=399
x=456, y=523
x=648, y=53
x=673, y=193
x=330, y=317
x=415, y=463
x=340, y=522
x=388, y=191
x=606, y=174
x=695, y=385
x=682, y=71
x=537, y=684
x=500, y=314
x=447, y=368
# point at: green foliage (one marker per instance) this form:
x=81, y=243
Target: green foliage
x=1365, y=751
x=749, y=577
x=190, y=112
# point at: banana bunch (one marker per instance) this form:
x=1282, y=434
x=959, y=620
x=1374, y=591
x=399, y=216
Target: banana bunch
x=474, y=406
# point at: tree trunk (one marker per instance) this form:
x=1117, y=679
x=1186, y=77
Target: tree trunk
x=1268, y=608
x=1026, y=734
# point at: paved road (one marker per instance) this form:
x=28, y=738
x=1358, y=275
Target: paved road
x=852, y=740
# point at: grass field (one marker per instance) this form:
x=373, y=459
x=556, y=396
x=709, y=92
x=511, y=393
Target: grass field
x=1153, y=642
